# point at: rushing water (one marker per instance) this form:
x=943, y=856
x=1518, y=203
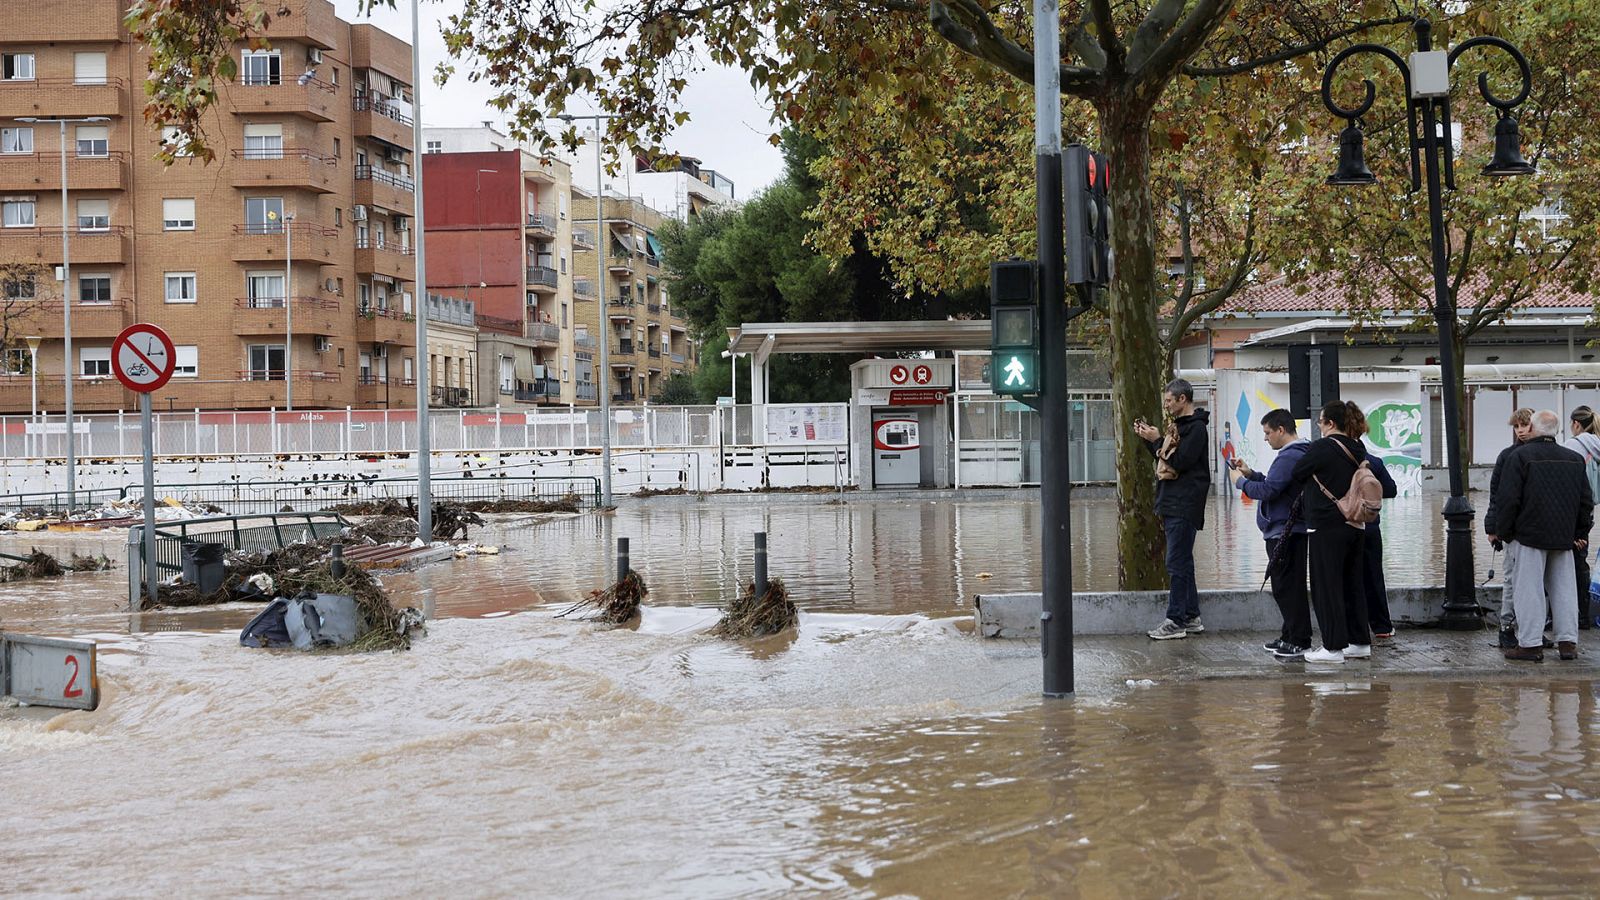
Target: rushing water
x=881, y=750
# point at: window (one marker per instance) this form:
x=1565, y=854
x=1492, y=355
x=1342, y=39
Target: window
x=261, y=67
x=89, y=68
x=95, y=362
x=16, y=361
x=16, y=66
x=563, y=315
x=188, y=361
x=94, y=215
x=338, y=148
x=406, y=369
x=94, y=140
x=263, y=215
x=341, y=357
x=16, y=213
x=338, y=217
x=366, y=367
x=16, y=140
x=20, y=287
x=177, y=214
x=180, y=287
x=174, y=137
x=264, y=289
x=94, y=289
x=335, y=82
x=263, y=141
x=435, y=147
x=364, y=295
x=264, y=362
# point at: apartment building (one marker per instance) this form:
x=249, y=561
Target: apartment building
x=284, y=263
x=678, y=187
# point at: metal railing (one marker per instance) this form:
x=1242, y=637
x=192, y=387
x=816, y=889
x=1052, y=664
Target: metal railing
x=56, y=501
x=583, y=289
x=317, y=496
x=542, y=275
x=538, y=389
x=383, y=106
x=625, y=346
x=373, y=173
x=254, y=154
x=387, y=246
x=250, y=533
x=541, y=221
x=278, y=302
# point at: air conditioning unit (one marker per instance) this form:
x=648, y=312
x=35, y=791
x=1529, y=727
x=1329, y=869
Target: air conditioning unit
x=331, y=286
x=314, y=55
x=322, y=344
x=394, y=154
x=358, y=213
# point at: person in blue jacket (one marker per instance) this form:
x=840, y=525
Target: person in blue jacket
x=1284, y=531
x=1372, y=578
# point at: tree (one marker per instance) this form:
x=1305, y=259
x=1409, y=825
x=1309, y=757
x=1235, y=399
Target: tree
x=679, y=390
x=812, y=59
x=25, y=289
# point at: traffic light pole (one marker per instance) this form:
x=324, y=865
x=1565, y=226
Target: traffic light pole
x=1055, y=622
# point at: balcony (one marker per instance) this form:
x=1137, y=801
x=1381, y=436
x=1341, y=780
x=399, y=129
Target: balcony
x=386, y=190
x=264, y=242
x=542, y=279
x=582, y=289
x=312, y=21
x=538, y=389
x=291, y=167
x=385, y=258
x=583, y=342
x=59, y=97
x=622, y=397
x=385, y=325
x=42, y=171
x=43, y=245
x=266, y=315
x=654, y=352
x=308, y=97
x=451, y=396
x=261, y=388
x=653, y=309
x=89, y=394
x=624, y=347
x=544, y=334
x=582, y=239
x=541, y=223
x=40, y=21
x=678, y=358
x=384, y=118
x=89, y=320
x=620, y=262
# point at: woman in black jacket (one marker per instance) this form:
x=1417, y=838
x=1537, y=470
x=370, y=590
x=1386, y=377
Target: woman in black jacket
x=1334, y=546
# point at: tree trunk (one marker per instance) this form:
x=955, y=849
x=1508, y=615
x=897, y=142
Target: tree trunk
x=1136, y=348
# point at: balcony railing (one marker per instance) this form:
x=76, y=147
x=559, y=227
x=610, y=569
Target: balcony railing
x=545, y=332
x=625, y=347
x=652, y=308
x=306, y=229
x=677, y=357
x=452, y=396
x=388, y=246
x=542, y=221
x=622, y=300
x=583, y=289
x=384, y=106
x=620, y=261
x=370, y=379
x=538, y=389
x=622, y=397
x=373, y=173
x=277, y=303
x=369, y=311
x=582, y=341
x=585, y=391
x=655, y=352
x=277, y=375
x=542, y=276
x=582, y=237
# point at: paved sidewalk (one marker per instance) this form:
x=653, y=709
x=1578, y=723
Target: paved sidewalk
x=1414, y=653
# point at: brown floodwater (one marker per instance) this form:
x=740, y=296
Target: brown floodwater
x=879, y=750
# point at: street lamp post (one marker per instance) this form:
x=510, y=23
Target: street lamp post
x=1427, y=80
x=33, y=368
x=605, y=321
x=419, y=305
x=288, y=312
x=66, y=296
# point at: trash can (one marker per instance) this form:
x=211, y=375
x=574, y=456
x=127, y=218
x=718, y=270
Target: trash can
x=202, y=566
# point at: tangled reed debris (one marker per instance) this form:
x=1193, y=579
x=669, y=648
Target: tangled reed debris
x=616, y=605
x=750, y=616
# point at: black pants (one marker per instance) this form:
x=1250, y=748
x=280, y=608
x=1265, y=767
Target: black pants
x=1586, y=610
x=1289, y=588
x=1372, y=581
x=1337, y=596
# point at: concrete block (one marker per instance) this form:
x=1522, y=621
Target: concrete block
x=1133, y=612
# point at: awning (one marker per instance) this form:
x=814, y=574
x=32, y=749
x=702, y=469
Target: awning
x=655, y=246
x=1394, y=330
x=860, y=337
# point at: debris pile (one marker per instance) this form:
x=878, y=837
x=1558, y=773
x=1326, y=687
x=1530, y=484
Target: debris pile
x=38, y=564
x=391, y=506
x=616, y=605
x=750, y=616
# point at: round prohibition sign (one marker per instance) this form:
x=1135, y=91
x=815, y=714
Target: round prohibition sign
x=898, y=374
x=143, y=357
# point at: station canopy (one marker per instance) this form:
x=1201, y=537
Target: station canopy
x=858, y=337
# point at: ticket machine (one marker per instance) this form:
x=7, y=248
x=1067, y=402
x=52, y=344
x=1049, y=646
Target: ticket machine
x=896, y=449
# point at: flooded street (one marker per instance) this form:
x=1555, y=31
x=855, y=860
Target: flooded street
x=880, y=751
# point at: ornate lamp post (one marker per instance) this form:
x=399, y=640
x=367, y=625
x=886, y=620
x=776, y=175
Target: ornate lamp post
x=1427, y=81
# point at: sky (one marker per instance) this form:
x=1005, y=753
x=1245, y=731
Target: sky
x=727, y=130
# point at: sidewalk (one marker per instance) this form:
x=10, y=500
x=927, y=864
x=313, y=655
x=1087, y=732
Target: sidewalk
x=1413, y=653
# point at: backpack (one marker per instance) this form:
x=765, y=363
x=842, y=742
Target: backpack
x=1363, y=501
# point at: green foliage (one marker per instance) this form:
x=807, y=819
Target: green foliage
x=679, y=390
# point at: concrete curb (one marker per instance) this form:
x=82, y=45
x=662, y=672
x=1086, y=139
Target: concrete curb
x=1135, y=612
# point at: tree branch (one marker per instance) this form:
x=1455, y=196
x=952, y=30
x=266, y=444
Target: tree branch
x=1294, y=51
x=1105, y=30
x=1242, y=267
x=1152, y=31
x=1089, y=52
x=967, y=26
x=1184, y=41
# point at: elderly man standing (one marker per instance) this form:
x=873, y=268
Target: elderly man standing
x=1543, y=503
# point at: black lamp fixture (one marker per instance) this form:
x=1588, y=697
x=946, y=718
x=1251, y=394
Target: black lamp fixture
x=1507, y=149
x=1352, y=157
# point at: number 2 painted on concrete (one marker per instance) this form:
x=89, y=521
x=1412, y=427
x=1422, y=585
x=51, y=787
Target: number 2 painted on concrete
x=70, y=690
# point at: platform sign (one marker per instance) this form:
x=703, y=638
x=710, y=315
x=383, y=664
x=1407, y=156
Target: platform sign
x=143, y=357
x=40, y=671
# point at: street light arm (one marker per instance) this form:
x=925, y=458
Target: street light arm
x=1483, y=77
x=1360, y=109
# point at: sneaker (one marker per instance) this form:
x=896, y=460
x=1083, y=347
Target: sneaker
x=1358, y=651
x=1569, y=649
x=1168, y=630
x=1323, y=654
x=1272, y=645
x=1383, y=635
x=1287, y=650
x=1194, y=626
x=1526, y=654
x=1508, y=637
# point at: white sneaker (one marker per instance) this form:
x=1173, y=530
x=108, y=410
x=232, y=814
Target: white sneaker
x=1358, y=651
x=1323, y=654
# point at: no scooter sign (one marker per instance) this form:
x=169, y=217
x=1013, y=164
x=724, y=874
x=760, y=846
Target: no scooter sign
x=143, y=357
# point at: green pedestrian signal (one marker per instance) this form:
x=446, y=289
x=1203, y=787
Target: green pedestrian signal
x=1013, y=327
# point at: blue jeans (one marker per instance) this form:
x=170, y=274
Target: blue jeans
x=1183, y=600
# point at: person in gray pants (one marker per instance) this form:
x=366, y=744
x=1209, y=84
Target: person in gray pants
x=1521, y=423
x=1544, y=504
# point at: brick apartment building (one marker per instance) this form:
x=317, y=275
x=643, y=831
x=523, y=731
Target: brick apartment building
x=315, y=132
x=512, y=233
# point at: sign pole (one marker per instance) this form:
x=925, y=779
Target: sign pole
x=151, y=576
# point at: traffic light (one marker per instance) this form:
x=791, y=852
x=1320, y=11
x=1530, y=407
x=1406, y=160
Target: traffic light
x=1086, y=177
x=1014, y=327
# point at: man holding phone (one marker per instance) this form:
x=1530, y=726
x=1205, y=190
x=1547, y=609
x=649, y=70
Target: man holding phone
x=1275, y=498
x=1183, y=486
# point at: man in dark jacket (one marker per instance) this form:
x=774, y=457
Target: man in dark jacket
x=1286, y=540
x=1183, y=487
x=1521, y=423
x=1544, y=504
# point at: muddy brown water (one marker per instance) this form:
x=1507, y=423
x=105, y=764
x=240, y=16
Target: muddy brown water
x=880, y=750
